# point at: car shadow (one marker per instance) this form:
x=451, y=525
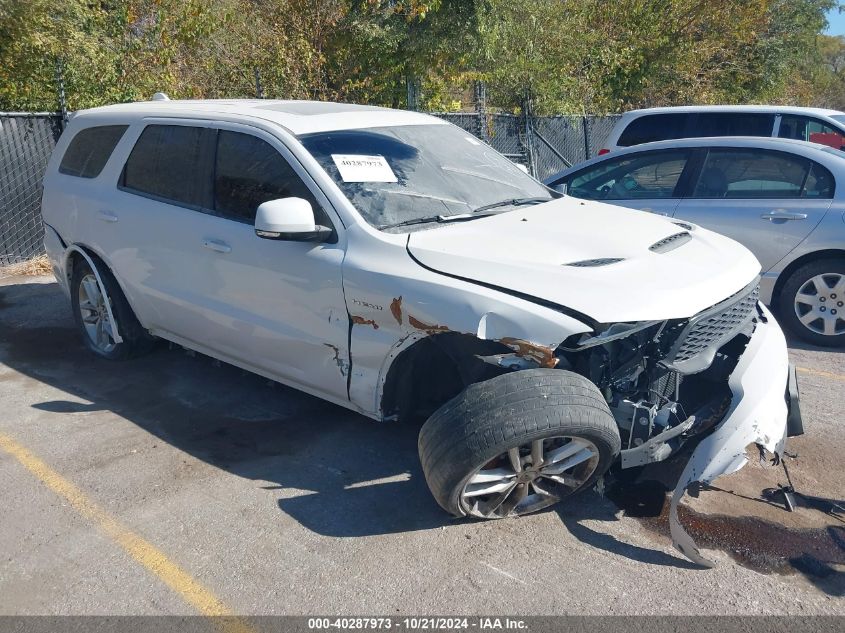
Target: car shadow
x=587, y=507
x=336, y=472
x=796, y=343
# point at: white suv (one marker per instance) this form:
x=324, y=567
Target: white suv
x=816, y=125
x=391, y=263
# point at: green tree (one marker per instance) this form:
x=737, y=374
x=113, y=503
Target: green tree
x=591, y=55
x=568, y=55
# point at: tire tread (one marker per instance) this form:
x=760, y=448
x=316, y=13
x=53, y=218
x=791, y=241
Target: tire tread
x=489, y=417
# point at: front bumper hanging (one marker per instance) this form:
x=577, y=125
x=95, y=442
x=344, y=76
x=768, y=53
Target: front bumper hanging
x=758, y=414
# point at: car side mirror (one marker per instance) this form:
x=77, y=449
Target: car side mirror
x=289, y=219
x=561, y=188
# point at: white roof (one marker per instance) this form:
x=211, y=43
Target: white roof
x=300, y=117
x=737, y=108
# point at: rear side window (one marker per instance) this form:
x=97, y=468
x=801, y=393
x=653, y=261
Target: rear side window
x=89, y=151
x=706, y=124
x=820, y=183
x=250, y=171
x=172, y=162
x=654, y=127
x=663, y=127
x=757, y=174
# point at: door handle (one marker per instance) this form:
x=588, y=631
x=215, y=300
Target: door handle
x=648, y=210
x=783, y=214
x=217, y=246
x=107, y=216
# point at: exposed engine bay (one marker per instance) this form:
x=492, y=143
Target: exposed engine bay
x=666, y=381
x=692, y=381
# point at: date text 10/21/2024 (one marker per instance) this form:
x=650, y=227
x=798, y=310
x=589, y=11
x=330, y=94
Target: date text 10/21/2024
x=418, y=623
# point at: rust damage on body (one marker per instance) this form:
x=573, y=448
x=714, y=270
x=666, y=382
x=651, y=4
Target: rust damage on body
x=359, y=320
x=544, y=356
x=396, y=309
x=426, y=327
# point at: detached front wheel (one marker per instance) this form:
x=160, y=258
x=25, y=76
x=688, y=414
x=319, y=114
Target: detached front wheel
x=517, y=443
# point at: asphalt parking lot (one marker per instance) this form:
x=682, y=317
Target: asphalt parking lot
x=173, y=485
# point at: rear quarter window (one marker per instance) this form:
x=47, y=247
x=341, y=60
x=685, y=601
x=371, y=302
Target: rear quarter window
x=654, y=127
x=89, y=151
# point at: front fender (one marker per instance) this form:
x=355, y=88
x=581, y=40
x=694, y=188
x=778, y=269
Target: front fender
x=392, y=306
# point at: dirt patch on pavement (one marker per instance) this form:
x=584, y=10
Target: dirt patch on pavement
x=759, y=544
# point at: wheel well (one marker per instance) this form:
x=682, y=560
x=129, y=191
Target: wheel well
x=71, y=264
x=434, y=370
x=831, y=253
x=75, y=256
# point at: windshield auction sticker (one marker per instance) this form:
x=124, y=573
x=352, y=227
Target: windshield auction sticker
x=360, y=168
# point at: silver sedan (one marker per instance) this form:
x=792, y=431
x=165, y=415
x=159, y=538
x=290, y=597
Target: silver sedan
x=784, y=200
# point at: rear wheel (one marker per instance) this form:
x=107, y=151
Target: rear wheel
x=517, y=443
x=91, y=314
x=812, y=302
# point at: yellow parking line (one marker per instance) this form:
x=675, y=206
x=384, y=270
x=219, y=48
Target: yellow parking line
x=190, y=589
x=823, y=374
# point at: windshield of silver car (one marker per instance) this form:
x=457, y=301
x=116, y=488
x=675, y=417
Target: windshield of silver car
x=413, y=174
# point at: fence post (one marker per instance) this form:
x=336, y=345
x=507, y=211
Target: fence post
x=259, y=90
x=60, y=91
x=529, y=134
x=413, y=92
x=587, y=144
x=481, y=111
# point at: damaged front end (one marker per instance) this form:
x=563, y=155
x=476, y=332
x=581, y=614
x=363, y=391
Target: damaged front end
x=715, y=381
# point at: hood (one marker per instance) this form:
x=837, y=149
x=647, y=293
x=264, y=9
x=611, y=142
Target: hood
x=627, y=270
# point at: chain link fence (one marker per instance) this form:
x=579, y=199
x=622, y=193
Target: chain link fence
x=26, y=141
x=544, y=145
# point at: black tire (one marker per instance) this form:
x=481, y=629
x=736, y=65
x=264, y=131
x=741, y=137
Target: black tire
x=487, y=419
x=136, y=340
x=787, y=296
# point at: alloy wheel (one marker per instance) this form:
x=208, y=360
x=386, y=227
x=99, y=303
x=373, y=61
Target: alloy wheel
x=95, y=318
x=530, y=477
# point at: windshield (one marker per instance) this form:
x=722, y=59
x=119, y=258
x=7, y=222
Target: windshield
x=397, y=174
x=839, y=118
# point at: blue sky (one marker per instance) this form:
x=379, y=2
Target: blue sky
x=837, y=22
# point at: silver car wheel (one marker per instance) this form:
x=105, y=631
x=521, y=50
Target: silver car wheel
x=529, y=477
x=820, y=304
x=95, y=318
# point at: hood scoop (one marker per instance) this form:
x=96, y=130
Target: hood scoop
x=592, y=263
x=670, y=243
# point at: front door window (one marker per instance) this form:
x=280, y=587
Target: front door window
x=803, y=128
x=646, y=176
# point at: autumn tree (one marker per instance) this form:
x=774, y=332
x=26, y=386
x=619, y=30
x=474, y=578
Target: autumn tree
x=569, y=56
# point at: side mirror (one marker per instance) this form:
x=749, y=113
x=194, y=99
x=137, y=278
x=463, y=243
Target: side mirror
x=561, y=188
x=289, y=219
